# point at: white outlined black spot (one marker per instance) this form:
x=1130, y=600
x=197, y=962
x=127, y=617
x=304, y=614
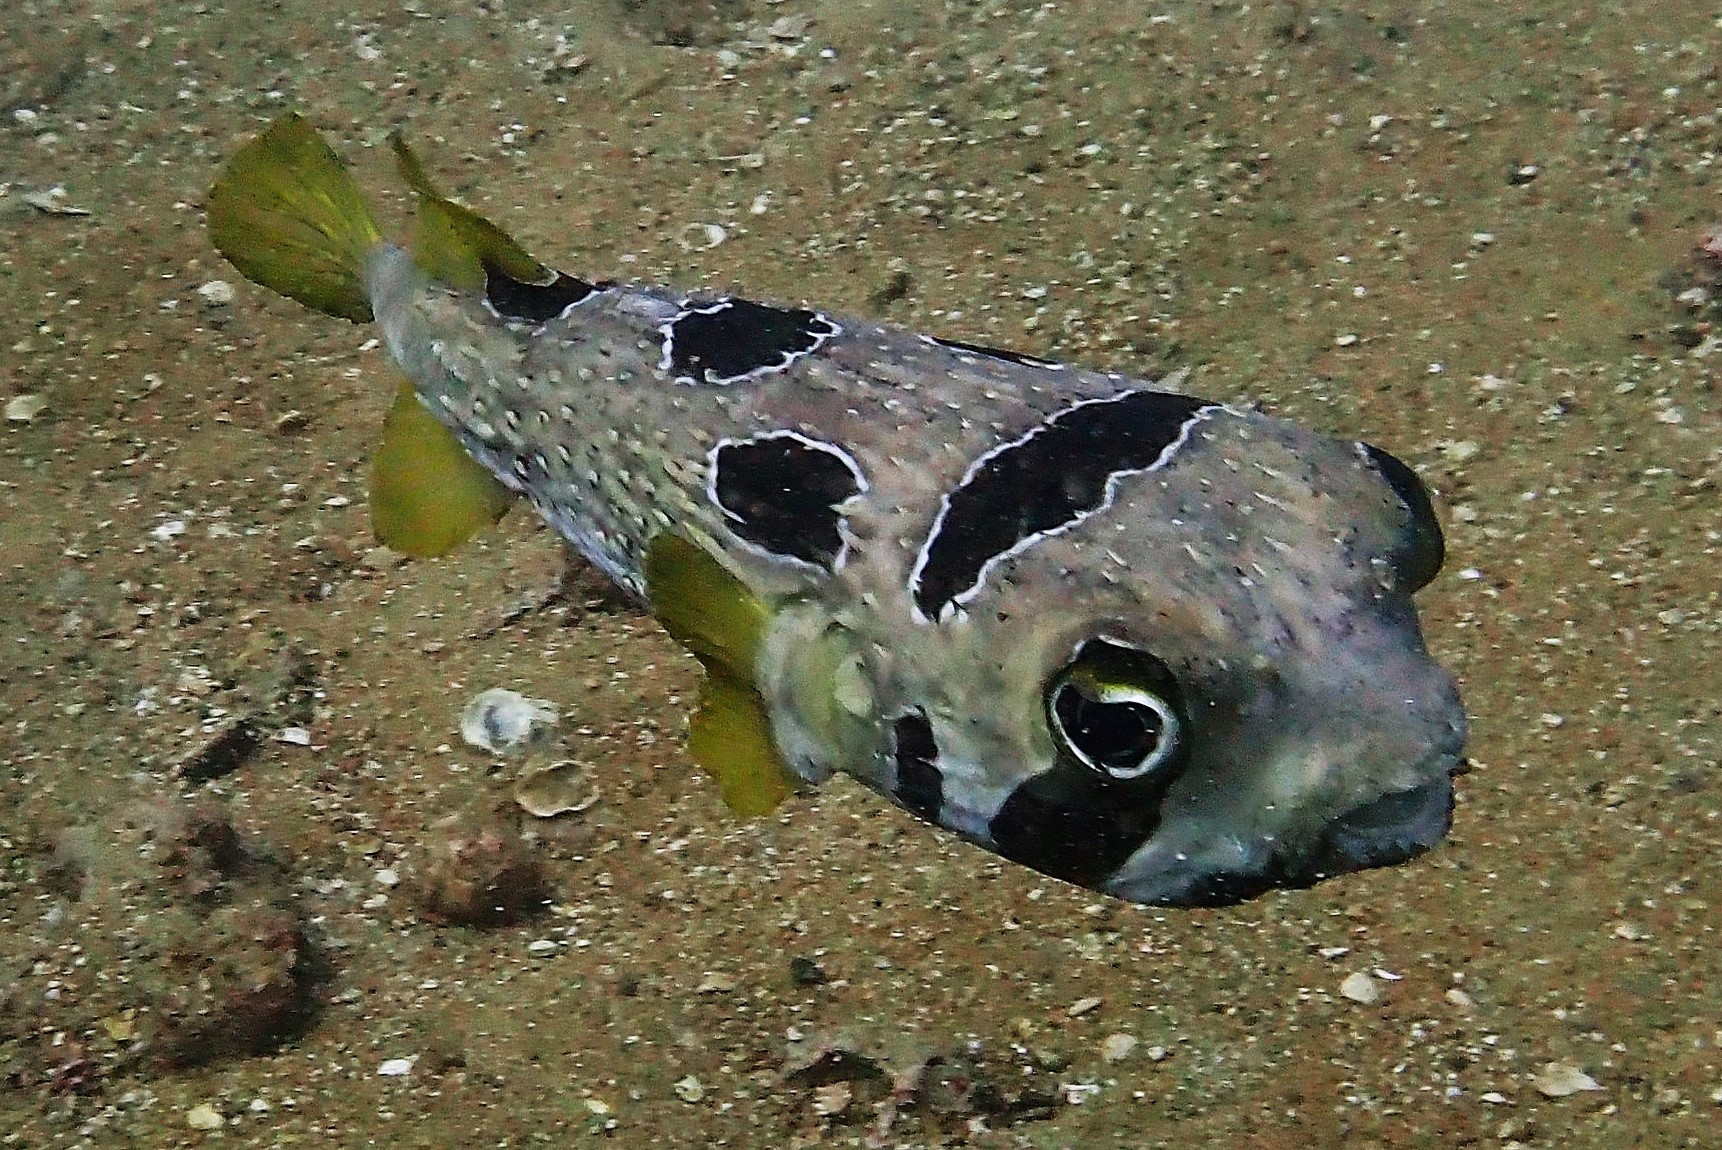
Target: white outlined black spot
x=731, y=340
x=518, y=301
x=783, y=493
x=1043, y=483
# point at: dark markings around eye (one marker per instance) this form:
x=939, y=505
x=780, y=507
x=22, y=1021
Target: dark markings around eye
x=920, y=787
x=524, y=302
x=1421, y=548
x=731, y=340
x=782, y=493
x=1043, y=483
x=1015, y=357
x=1078, y=825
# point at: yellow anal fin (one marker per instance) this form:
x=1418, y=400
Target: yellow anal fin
x=428, y=496
x=715, y=616
x=455, y=245
x=730, y=738
x=287, y=214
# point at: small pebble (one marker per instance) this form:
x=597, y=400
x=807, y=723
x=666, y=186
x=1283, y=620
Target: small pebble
x=397, y=1067
x=689, y=1089
x=24, y=408
x=1560, y=1079
x=203, y=1116
x=1118, y=1047
x=1082, y=1006
x=216, y=293
x=832, y=1099
x=1359, y=987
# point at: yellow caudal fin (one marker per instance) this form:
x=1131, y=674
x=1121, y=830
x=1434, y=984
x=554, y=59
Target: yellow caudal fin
x=428, y=496
x=715, y=616
x=287, y=214
x=454, y=244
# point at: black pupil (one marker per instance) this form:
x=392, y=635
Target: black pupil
x=1116, y=736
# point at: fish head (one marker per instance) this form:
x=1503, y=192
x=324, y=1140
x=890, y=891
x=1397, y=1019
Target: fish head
x=1211, y=685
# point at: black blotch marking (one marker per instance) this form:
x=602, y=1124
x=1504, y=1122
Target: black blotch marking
x=1055, y=475
x=920, y=785
x=1077, y=825
x=1074, y=822
x=781, y=493
x=533, y=303
x=733, y=338
x=1015, y=357
x=1421, y=549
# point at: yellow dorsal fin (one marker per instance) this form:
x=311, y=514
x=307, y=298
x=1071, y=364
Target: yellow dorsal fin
x=715, y=616
x=286, y=213
x=428, y=496
x=454, y=244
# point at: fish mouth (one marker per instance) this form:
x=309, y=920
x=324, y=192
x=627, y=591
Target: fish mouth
x=1384, y=831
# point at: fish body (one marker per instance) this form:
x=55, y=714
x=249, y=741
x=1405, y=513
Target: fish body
x=1146, y=643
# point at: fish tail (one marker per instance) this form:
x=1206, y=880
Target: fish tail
x=288, y=215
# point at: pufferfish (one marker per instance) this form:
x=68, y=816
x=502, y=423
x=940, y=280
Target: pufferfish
x=1142, y=642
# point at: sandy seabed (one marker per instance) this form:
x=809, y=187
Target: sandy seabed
x=235, y=810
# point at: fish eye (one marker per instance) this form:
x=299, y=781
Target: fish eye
x=1116, y=710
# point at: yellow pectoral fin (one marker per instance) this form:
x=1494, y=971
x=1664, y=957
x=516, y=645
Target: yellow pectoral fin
x=715, y=616
x=730, y=738
x=428, y=496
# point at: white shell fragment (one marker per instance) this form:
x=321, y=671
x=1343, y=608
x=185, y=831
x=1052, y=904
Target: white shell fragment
x=1359, y=987
x=1560, y=1079
x=52, y=202
x=502, y=721
x=24, y=408
x=561, y=788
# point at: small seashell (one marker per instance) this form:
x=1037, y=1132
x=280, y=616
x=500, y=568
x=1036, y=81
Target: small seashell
x=561, y=788
x=52, y=202
x=502, y=721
